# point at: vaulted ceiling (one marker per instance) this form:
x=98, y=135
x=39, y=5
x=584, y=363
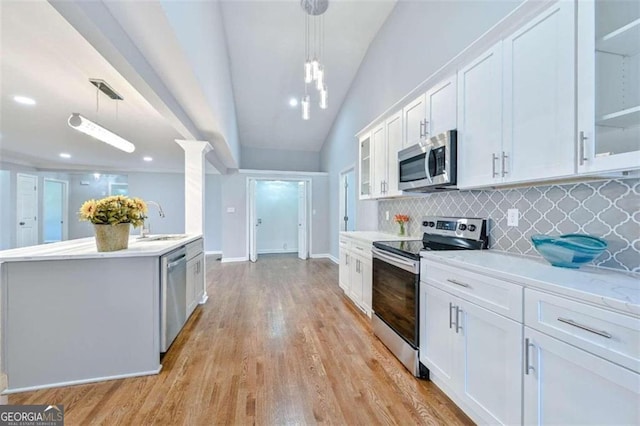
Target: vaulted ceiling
x=217, y=71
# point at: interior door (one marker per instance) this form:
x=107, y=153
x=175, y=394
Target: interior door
x=27, y=210
x=54, y=210
x=303, y=251
x=253, y=222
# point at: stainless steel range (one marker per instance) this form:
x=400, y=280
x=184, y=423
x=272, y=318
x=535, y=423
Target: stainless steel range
x=396, y=281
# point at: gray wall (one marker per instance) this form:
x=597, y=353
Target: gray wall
x=403, y=54
x=234, y=224
x=279, y=159
x=166, y=189
x=607, y=209
x=213, y=213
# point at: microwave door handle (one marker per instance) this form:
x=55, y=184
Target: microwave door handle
x=426, y=165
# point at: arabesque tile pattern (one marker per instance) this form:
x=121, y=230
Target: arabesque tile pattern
x=607, y=209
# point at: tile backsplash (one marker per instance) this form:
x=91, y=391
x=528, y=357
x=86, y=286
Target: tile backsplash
x=607, y=209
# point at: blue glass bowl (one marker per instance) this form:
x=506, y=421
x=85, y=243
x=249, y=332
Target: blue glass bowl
x=570, y=250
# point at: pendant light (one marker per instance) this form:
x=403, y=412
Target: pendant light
x=314, y=69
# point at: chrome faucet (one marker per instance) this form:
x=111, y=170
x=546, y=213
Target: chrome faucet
x=144, y=231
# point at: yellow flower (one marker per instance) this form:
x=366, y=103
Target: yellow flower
x=114, y=210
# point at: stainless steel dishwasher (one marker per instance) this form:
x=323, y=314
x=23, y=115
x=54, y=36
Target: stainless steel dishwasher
x=173, y=296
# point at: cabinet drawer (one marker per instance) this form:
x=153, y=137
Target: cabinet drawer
x=499, y=296
x=344, y=243
x=194, y=248
x=361, y=249
x=613, y=336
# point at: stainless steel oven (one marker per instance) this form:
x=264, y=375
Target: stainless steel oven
x=430, y=165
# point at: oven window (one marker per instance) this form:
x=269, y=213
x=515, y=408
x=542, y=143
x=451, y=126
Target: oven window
x=395, y=299
x=413, y=169
x=437, y=159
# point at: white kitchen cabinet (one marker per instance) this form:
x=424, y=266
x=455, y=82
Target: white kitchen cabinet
x=569, y=386
x=441, y=107
x=516, y=109
x=539, y=97
x=195, y=282
x=480, y=120
x=414, y=116
x=365, y=166
x=380, y=160
x=608, y=67
x=355, y=272
x=473, y=354
x=393, y=129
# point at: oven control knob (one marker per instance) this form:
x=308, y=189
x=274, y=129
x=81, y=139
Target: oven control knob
x=432, y=224
x=425, y=223
x=462, y=227
x=472, y=228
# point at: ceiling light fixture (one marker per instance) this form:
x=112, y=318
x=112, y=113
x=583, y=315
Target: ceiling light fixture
x=147, y=158
x=88, y=127
x=314, y=70
x=293, y=102
x=65, y=155
x=24, y=100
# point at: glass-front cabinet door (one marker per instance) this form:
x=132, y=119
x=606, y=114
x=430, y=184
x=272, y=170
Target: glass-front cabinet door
x=365, y=166
x=608, y=85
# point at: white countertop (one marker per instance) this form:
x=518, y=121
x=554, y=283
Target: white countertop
x=371, y=236
x=85, y=248
x=616, y=290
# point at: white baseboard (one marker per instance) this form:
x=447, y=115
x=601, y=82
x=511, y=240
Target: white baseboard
x=277, y=251
x=234, y=259
x=213, y=252
x=325, y=256
x=82, y=382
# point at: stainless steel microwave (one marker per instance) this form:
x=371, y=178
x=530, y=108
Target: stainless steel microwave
x=429, y=165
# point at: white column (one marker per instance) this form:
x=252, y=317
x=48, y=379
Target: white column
x=194, y=190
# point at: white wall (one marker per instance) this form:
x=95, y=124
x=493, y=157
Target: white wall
x=234, y=224
x=279, y=159
x=277, y=209
x=415, y=41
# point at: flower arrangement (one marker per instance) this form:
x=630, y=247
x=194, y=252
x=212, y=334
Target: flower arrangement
x=401, y=219
x=114, y=210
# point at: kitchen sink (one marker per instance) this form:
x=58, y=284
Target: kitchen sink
x=168, y=237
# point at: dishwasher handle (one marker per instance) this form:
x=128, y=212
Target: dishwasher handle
x=178, y=261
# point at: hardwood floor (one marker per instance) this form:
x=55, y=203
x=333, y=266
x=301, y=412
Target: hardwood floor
x=277, y=343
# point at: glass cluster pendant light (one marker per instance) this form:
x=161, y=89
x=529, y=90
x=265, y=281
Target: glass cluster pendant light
x=314, y=70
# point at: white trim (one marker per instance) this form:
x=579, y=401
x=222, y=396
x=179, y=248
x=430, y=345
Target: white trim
x=83, y=381
x=280, y=173
x=325, y=256
x=277, y=251
x=204, y=299
x=309, y=184
x=212, y=252
x=234, y=259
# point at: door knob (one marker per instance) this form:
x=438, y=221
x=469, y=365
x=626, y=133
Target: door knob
x=22, y=223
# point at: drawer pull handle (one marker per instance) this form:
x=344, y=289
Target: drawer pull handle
x=458, y=326
x=450, y=315
x=585, y=327
x=461, y=284
x=359, y=248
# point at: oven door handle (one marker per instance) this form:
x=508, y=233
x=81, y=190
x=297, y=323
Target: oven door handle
x=407, y=265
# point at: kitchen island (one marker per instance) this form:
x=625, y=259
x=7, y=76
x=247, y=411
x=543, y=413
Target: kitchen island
x=72, y=315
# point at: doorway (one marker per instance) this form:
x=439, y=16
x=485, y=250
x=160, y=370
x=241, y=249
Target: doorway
x=54, y=211
x=278, y=217
x=26, y=210
x=348, y=199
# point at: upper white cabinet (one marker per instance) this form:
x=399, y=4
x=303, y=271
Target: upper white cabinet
x=608, y=70
x=440, y=107
x=414, y=115
x=365, y=166
x=539, y=97
x=393, y=129
x=379, y=169
x=480, y=120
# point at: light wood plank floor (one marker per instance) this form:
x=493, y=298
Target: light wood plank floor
x=277, y=343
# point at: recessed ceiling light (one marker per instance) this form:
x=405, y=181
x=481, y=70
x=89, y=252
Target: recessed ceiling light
x=65, y=155
x=24, y=100
x=147, y=158
x=293, y=102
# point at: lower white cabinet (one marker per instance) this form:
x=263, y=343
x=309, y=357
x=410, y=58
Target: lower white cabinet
x=195, y=281
x=473, y=354
x=355, y=273
x=565, y=385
